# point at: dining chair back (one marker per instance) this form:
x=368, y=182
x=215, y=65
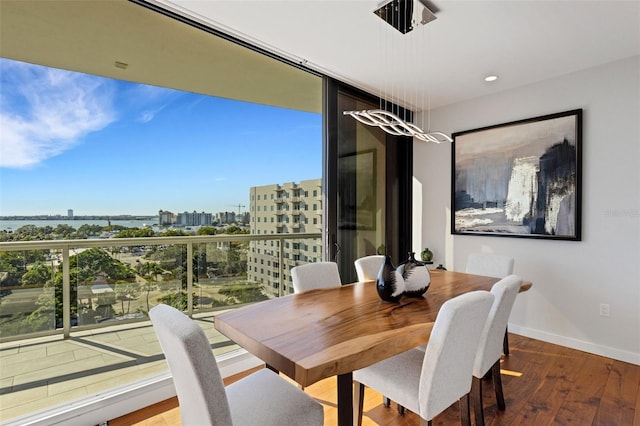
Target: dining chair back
x=491, y=339
x=261, y=398
x=368, y=267
x=311, y=276
x=427, y=383
x=492, y=265
x=489, y=264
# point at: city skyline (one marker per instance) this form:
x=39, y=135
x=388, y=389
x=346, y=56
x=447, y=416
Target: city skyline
x=108, y=147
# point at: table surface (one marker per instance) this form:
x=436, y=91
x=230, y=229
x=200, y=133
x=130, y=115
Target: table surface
x=330, y=332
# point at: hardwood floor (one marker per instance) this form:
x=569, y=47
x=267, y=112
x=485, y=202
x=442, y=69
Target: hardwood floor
x=544, y=384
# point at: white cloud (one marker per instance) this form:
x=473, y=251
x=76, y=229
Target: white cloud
x=45, y=111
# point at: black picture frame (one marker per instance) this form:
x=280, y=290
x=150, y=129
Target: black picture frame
x=519, y=179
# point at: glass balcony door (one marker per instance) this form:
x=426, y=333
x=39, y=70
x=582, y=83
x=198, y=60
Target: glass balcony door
x=368, y=185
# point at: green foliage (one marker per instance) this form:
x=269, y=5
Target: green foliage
x=84, y=267
x=174, y=233
x=64, y=231
x=135, y=233
x=89, y=263
x=178, y=300
x=234, y=230
x=88, y=230
x=207, y=230
x=15, y=263
x=126, y=291
x=243, y=293
x=33, y=233
x=37, y=275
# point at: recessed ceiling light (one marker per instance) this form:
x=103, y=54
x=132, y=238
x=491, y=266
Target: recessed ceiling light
x=491, y=78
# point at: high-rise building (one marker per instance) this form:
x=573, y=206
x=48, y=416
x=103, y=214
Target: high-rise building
x=290, y=208
x=70, y=213
x=194, y=219
x=165, y=217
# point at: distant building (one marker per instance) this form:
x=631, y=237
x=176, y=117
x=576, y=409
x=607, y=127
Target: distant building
x=289, y=208
x=194, y=219
x=225, y=218
x=70, y=213
x=166, y=218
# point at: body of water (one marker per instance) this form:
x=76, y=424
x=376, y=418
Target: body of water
x=13, y=225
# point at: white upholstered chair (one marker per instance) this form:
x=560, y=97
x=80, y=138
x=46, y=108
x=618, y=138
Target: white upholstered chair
x=262, y=398
x=489, y=264
x=492, y=265
x=368, y=267
x=315, y=275
x=490, y=347
x=427, y=383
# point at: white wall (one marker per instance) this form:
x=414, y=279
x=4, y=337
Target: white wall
x=570, y=279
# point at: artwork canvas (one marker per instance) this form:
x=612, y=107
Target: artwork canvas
x=519, y=179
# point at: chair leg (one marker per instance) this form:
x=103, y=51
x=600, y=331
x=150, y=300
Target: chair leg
x=505, y=343
x=497, y=385
x=358, y=402
x=465, y=414
x=476, y=392
x=386, y=401
x=400, y=410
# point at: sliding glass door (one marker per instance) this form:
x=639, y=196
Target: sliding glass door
x=368, y=177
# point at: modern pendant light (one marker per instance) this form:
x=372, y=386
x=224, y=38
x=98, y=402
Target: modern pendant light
x=404, y=16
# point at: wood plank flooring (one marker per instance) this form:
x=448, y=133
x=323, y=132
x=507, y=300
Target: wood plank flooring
x=544, y=384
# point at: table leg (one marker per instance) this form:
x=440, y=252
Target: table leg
x=272, y=368
x=345, y=399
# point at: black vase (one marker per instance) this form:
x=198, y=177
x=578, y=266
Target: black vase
x=416, y=276
x=390, y=284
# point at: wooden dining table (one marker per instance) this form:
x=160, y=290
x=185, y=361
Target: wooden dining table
x=321, y=333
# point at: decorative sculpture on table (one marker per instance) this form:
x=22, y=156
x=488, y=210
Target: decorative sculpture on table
x=416, y=276
x=390, y=284
x=426, y=255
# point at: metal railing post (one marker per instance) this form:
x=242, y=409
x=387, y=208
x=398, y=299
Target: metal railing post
x=66, y=295
x=189, y=278
x=281, y=268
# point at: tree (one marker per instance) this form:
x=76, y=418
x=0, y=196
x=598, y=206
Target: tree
x=126, y=291
x=207, y=230
x=174, y=233
x=88, y=230
x=37, y=275
x=64, y=231
x=135, y=233
x=149, y=270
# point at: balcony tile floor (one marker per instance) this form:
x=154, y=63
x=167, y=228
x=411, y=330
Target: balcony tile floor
x=41, y=373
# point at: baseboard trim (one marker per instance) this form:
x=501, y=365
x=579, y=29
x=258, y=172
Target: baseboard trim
x=99, y=408
x=581, y=345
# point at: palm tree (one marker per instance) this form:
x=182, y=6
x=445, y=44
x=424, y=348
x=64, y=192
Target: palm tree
x=149, y=270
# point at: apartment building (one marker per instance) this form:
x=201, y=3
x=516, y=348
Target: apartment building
x=288, y=208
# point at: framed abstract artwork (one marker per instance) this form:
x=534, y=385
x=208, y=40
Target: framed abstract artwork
x=519, y=179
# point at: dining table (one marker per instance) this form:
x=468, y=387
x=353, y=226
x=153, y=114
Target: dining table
x=321, y=333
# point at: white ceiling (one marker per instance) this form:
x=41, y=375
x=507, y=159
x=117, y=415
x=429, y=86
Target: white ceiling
x=521, y=41
x=439, y=64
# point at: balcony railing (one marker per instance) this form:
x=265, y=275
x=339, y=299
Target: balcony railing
x=60, y=286
x=73, y=313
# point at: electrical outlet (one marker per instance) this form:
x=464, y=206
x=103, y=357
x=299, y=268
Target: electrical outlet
x=604, y=310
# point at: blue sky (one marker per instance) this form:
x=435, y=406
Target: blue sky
x=102, y=146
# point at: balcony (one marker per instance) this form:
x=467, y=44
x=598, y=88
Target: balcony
x=82, y=333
